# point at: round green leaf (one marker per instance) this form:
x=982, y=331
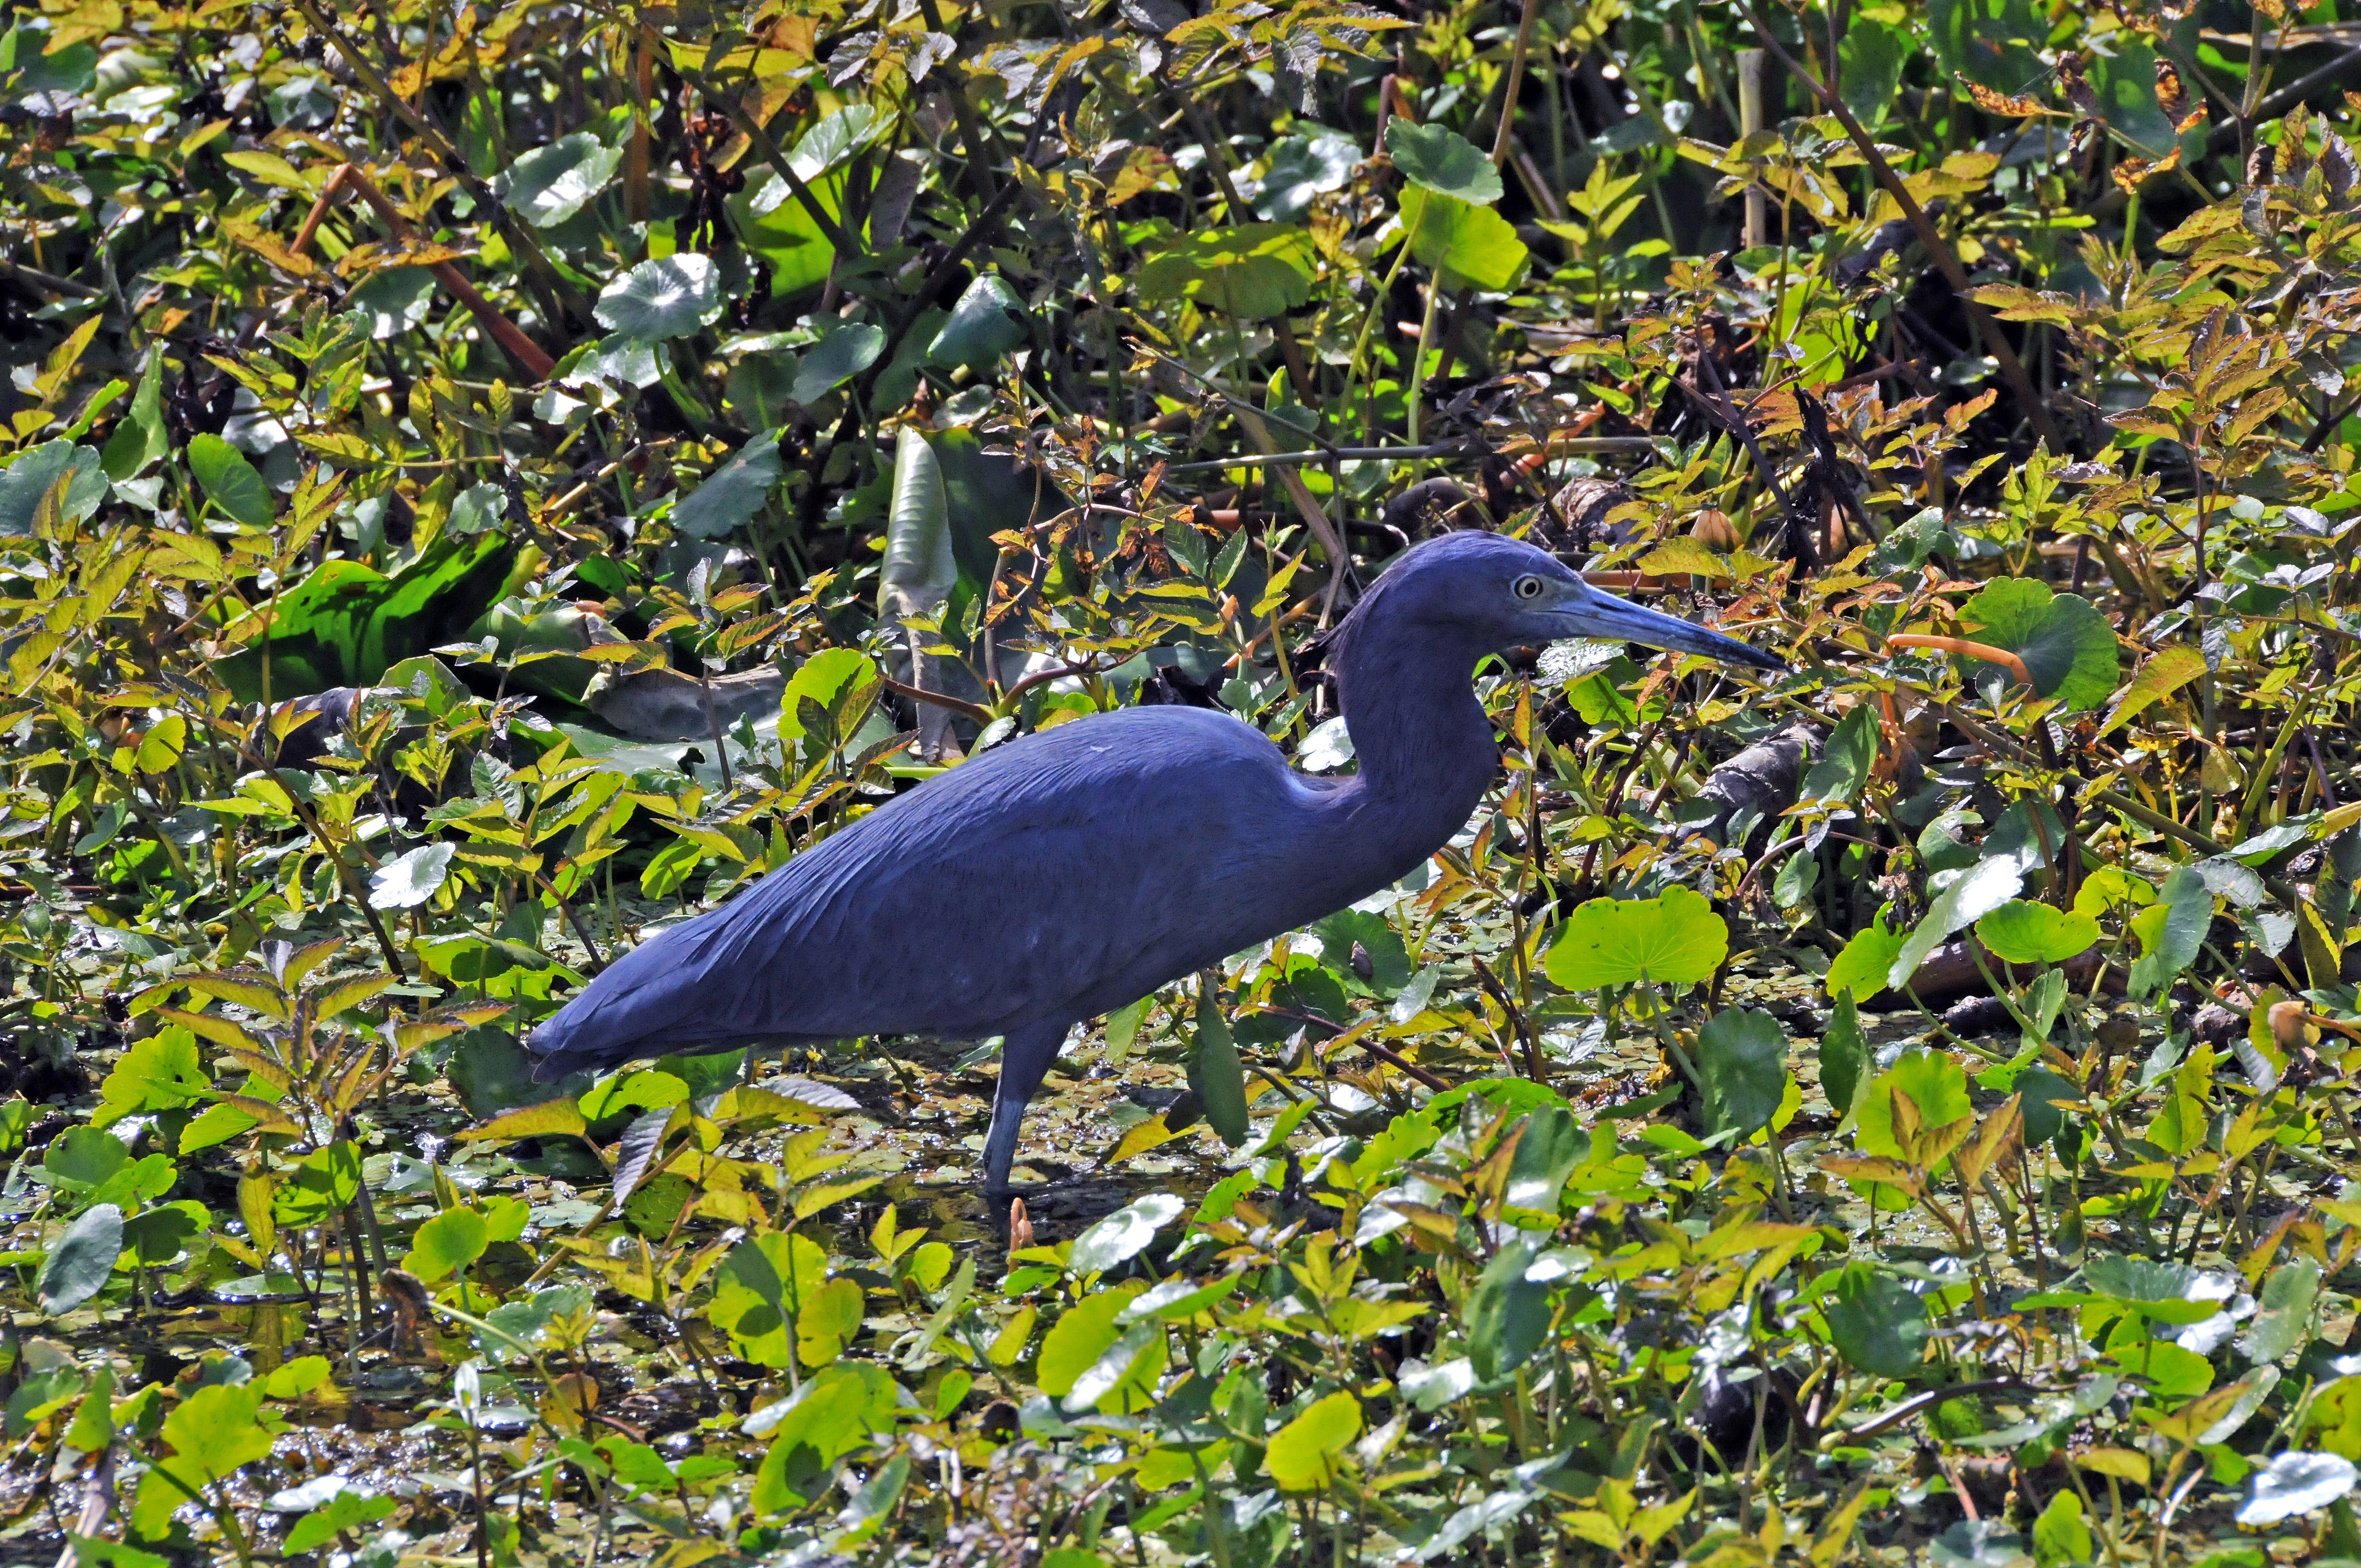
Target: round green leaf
x=1676, y=940
x=2022, y=932
x=732, y=493
x=77, y=1265
x=671, y=296
x=1875, y=1321
x=1123, y=1234
x=1742, y=1056
x=1930, y=1081
x=410, y=879
x=550, y=184
x=988, y=321
x=2066, y=645
x=2295, y=1482
x=1076, y=1341
x=230, y=481
x=447, y=1244
x=393, y=299
x=1474, y=243
x=1435, y=158
x=837, y=358
x=24, y=482
x=1251, y=271
x=1304, y=1453
x=1302, y=166
x=1861, y=968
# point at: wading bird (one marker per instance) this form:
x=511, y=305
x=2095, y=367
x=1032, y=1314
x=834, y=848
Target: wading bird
x=1072, y=871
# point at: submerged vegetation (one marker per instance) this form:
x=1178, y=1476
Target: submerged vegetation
x=478, y=484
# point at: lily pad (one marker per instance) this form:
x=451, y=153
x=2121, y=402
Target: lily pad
x=1676, y=939
x=2021, y=932
x=2066, y=645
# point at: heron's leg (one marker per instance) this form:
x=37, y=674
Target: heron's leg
x=1025, y=1059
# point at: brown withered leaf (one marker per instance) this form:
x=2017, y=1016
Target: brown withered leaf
x=2172, y=97
x=1992, y=102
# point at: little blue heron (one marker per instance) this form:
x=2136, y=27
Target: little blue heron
x=1074, y=872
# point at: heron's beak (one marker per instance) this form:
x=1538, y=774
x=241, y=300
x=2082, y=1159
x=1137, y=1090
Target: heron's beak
x=1584, y=612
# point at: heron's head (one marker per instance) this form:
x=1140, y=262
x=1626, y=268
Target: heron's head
x=1510, y=593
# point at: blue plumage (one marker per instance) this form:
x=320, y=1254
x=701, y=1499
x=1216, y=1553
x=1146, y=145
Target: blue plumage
x=1071, y=871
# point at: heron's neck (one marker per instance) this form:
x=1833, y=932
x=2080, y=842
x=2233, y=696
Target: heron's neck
x=1425, y=748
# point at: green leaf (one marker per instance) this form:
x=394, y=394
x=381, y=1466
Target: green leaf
x=1075, y=1342
x=2066, y=645
x=1124, y=1234
x=2020, y=932
x=157, y=1237
x=848, y=349
x=1306, y=1453
x=1871, y=57
x=160, y=1073
x=447, y=1244
x=230, y=481
x=1991, y=43
x=820, y=679
x=80, y=1261
x=550, y=184
x=346, y=1512
x=919, y=570
x=2039, y=1089
x=1554, y=1145
x=1251, y=271
x=1676, y=939
x=2172, y=931
x=1435, y=158
x=34, y=474
x=1214, y=1072
x=1875, y=1321
x=141, y=437
x=988, y=321
x=671, y=296
x=1474, y=244
x=1844, y=1054
x=323, y=1182
x=1742, y=1057
x=826, y=1320
x=1933, y=1083
x=2060, y=1538
x=1861, y=969
x=82, y=1158
x=645, y=1089
x=393, y=301
x=2165, y=672
x=411, y=878
x=732, y=495
x=1507, y=1312
x=2282, y=1320
x=1981, y=888
x=1303, y=167
x=1844, y=764
x=213, y=1430
x=2123, y=76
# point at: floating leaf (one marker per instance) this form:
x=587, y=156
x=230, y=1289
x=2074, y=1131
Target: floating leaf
x=80, y=1261
x=2020, y=932
x=2293, y=1483
x=1123, y=1234
x=1676, y=939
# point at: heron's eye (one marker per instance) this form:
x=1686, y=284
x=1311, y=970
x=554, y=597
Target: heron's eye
x=1526, y=587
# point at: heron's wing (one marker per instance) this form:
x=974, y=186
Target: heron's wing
x=1106, y=853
